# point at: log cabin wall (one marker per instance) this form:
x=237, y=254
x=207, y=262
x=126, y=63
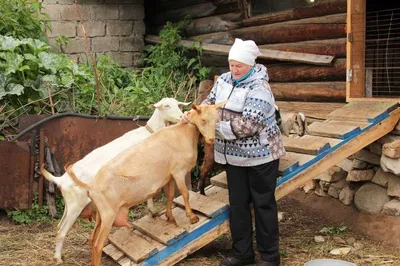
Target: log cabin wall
x=305, y=26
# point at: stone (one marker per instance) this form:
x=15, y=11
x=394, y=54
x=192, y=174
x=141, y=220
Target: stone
x=392, y=208
x=69, y=12
x=124, y=59
x=320, y=191
x=358, y=245
x=392, y=149
x=390, y=165
x=131, y=12
x=119, y=28
x=335, y=188
x=346, y=165
x=381, y=178
x=357, y=164
x=394, y=186
x=376, y=148
x=367, y=156
x=388, y=138
x=53, y=11
x=340, y=251
x=310, y=185
x=350, y=240
x=139, y=27
x=62, y=28
x=339, y=240
x=360, y=175
x=319, y=239
x=371, y=198
x=105, y=44
x=333, y=174
x=93, y=29
x=104, y=12
x=346, y=195
x=76, y=45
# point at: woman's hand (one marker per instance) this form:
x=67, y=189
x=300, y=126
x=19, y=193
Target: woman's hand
x=185, y=118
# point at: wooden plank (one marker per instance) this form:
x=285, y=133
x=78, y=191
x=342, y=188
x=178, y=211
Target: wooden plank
x=134, y=244
x=113, y=252
x=219, y=180
x=334, y=47
x=307, y=144
x=335, y=129
x=125, y=262
x=291, y=159
x=361, y=111
x=182, y=220
x=207, y=206
x=348, y=148
x=159, y=229
x=218, y=193
x=219, y=49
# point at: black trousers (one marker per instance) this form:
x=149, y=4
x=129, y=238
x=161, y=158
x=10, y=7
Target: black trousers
x=254, y=184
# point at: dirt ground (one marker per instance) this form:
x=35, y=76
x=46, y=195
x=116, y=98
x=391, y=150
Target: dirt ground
x=33, y=244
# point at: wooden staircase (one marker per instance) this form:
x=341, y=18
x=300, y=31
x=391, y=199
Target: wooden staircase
x=346, y=131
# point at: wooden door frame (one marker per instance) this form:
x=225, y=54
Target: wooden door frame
x=355, y=53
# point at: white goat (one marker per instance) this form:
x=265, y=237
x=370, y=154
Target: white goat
x=75, y=197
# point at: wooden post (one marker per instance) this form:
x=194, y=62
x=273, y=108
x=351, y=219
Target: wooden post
x=41, y=161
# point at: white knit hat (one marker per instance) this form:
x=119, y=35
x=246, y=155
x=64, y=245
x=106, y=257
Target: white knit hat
x=244, y=51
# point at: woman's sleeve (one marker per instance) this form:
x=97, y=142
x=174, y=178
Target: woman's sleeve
x=258, y=112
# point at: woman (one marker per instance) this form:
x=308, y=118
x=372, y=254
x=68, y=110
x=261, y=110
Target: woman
x=248, y=142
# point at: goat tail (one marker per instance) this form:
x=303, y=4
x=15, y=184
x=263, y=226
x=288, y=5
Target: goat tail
x=68, y=169
x=49, y=176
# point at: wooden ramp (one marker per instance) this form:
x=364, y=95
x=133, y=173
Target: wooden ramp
x=346, y=131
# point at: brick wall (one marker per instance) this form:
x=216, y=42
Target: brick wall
x=114, y=27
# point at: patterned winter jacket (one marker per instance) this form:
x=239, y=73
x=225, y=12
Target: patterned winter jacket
x=247, y=134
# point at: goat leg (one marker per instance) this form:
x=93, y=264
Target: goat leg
x=169, y=190
x=207, y=166
x=180, y=182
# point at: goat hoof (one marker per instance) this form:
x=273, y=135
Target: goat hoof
x=59, y=260
x=194, y=219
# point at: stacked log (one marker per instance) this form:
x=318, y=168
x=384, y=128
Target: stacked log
x=319, y=30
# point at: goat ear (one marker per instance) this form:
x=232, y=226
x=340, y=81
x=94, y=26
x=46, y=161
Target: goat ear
x=196, y=107
x=155, y=105
x=219, y=105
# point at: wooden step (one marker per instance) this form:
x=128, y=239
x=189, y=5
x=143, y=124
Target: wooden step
x=362, y=111
x=217, y=193
x=336, y=129
x=219, y=180
x=133, y=244
x=159, y=229
x=291, y=161
x=207, y=206
x=182, y=220
x=308, y=144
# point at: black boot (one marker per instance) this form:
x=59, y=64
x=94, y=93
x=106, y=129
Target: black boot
x=232, y=261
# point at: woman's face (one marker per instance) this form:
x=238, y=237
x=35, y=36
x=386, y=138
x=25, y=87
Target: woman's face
x=238, y=69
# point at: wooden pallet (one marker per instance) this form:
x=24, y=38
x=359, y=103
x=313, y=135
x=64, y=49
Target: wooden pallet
x=347, y=130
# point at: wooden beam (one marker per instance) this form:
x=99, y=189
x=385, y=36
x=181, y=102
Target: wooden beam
x=310, y=91
x=334, y=47
x=284, y=32
x=218, y=49
x=344, y=151
x=321, y=9
x=195, y=11
x=212, y=24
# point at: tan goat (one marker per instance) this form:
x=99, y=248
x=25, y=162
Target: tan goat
x=140, y=171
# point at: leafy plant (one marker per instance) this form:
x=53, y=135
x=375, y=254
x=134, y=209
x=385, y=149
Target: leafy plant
x=23, y=19
x=332, y=230
x=36, y=213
